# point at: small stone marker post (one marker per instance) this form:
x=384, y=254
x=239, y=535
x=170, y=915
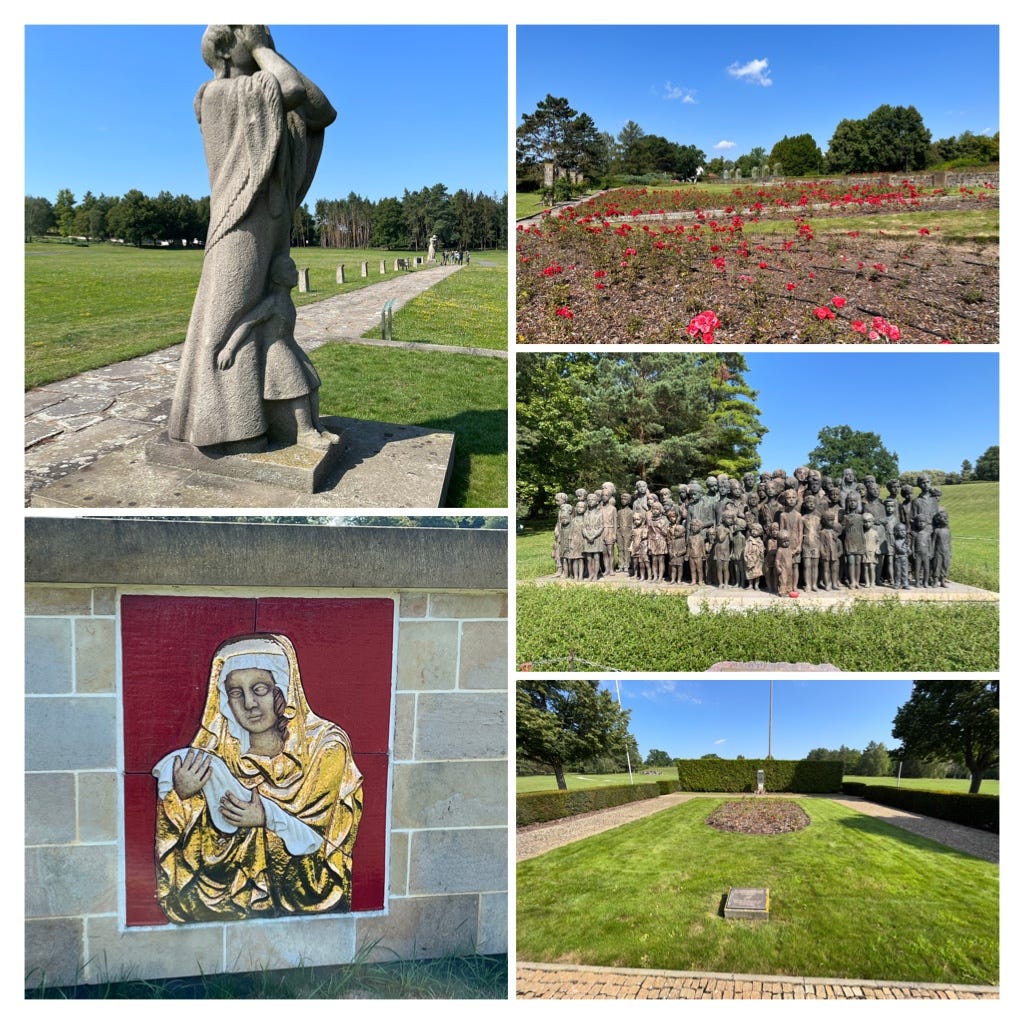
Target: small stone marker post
x=341, y=273
x=364, y=268
x=304, y=279
x=383, y=266
x=760, y=782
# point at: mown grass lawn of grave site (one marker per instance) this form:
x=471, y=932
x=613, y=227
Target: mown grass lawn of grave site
x=468, y=309
x=800, y=262
x=90, y=306
x=461, y=393
x=850, y=897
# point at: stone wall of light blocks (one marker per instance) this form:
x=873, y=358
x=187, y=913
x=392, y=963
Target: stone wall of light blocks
x=448, y=834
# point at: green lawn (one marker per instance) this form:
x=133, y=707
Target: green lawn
x=989, y=786
x=89, y=306
x=851, y=897
x=631, y=631
x=469, y=308
x=465, y=394
x=974, y=523
x=547, y=783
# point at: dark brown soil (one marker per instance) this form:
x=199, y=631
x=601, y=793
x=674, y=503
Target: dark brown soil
x=654, y=283
x=759, y=816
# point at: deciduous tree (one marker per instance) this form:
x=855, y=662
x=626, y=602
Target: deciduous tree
x=953, y=720
x=861, y=450
x=558, y=723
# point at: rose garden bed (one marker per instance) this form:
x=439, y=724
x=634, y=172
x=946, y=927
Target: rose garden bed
x=783, y=265
x=759, y=817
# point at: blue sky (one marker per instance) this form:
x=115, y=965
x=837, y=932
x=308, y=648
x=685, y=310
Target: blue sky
x=729, y=88
x=933, y=409
x=688, y=718
x=109, y=107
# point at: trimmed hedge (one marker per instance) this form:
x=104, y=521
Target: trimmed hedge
x=717, y=775
x=977, y=810
x=666, y=786
x=564, y=803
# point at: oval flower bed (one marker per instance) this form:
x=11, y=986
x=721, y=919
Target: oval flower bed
x=758, y=816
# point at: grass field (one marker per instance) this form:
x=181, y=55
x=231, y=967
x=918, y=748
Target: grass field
x=989, y=786
x=547, y=783
x=89, y=306
x=581, y=628
x=469, y=308
x=851, y=897
x=465, y=394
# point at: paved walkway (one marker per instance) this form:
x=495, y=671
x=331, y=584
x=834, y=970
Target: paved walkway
x=71, y=423
x=568, y=981
x=571, y=981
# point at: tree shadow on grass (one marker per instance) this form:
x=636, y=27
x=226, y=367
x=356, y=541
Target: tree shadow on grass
x=477, y=432
x=899, y=828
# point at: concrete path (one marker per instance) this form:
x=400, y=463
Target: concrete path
x=574, y=981
x=72, y=423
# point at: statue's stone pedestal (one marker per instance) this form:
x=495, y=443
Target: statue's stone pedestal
x=299, y=469
x=376, y=465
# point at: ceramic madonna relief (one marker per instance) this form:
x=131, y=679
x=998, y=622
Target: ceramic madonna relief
x=259, y=815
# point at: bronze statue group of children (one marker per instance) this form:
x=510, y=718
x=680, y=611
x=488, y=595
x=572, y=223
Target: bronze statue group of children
x=776, y=533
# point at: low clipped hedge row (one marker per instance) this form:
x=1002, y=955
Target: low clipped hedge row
x=717, y=775
x=532, y=808
x=978, y=810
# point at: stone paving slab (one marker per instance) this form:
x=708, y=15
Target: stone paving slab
x=72, y=423
x=577, y=981
x=714, y=599
x=385, y=465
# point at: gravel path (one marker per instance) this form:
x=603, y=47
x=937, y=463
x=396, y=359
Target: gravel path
x=533, y=840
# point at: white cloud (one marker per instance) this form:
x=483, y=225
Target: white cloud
x=755, y=71
x=718, y=742
x=724, y=144
x=675, y=92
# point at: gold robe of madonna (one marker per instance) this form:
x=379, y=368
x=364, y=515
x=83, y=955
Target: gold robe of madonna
x=300, y=862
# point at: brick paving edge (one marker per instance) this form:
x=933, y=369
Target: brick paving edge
x=760, y=978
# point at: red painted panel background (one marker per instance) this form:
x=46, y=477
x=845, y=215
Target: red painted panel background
x=344, y=650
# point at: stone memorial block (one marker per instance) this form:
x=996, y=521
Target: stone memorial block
x=747, y=904
x=383, y=266
x=364, y=268
x=341, y=273
x=418, y=261
x=760, y=781
x=304, y=279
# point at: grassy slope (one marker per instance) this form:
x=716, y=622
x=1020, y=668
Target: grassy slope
x=851, y=896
